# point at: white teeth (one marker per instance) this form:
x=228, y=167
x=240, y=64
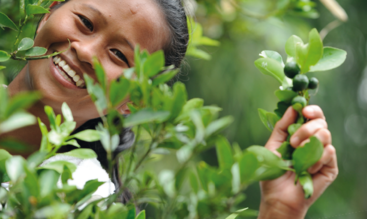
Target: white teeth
x=71, y=73
x=79, y=82
x=76, y=78
x=62, y=63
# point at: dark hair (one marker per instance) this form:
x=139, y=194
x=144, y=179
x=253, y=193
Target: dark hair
x=174, y=52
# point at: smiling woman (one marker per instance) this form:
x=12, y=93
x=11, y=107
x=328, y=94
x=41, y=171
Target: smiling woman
x=109, y=31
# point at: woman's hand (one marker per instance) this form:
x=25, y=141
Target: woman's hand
x=280, y=198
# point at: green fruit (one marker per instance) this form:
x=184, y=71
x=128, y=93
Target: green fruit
x=300, y=82
x=291, y=69
x=313, y=84
x=298, y=103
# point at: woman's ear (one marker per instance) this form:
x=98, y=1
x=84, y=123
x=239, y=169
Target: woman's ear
x=124, y=109
x=46, y=16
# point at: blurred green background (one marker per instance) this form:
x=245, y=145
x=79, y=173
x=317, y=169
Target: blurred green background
x=231, y=81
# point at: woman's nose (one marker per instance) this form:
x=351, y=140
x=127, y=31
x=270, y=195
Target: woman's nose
x=85, y=51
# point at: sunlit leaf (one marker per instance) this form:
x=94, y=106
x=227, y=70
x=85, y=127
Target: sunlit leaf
x=16, y=121
x=146, y=116
x=35, y=9
x=331, y=58
x=4, y=56
x=272, y=55
x=290, y=46
x=305, y=179
x=224, y=153
x=25, y=44
x=307, y=155
x=153, y=65
x=5, y=21
x=309, y=54
x=88, y=135
x=273, y=68
x=36, y=51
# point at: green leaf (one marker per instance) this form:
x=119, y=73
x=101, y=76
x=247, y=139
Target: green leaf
x=58, y=166
x=234, y=215
x=206, y=41
x=97, y=93
x=14, y=167
x=101, y=75
x=305, y=179
x=194, y=182
x=141, y=215
x=218, y=125
x=5, y=21
x=272, y=55
x=224, y=153
x=293, y=128
x=60, y=209
x=4, y=156
x=16, y=121
x=25, y=44
x=36, y=159
x=35, y=9
x=66, y=112
x=309, y=54
x=307, y=155
x=4, y=56
x=331, y=58
x=273, y=68
x=248, y=165
x=290, y=45
x=72, y=142
x=179, y=99
x=2, y=67
x=281, y=108
x=146, y=116
x=285, y=95
x=36, y=51
x=14, y=145
x=88, y=135
x=268, y=119
x=21, y=101
x=270, y=165
x=66, y=175
x=154, y=64
x=118, y=91
x=51, y=117
x=82, y=153
x=286, y=150
x=164, y=77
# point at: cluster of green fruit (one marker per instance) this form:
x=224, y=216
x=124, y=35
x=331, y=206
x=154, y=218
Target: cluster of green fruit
x=300, y=83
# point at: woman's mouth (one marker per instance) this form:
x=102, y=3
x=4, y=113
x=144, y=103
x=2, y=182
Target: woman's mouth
x=68, y=73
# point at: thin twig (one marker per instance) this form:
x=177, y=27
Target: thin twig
x=331, y=26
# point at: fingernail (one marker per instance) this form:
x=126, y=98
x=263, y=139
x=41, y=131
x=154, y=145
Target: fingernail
x=309, y=110
x=295, y=141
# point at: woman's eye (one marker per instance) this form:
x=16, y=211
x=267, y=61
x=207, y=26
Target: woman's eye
x=120, y=55
x=86, y=22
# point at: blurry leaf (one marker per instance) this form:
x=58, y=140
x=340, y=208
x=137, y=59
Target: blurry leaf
x=14, y=145
x=154, y=64
x=131, y=211
x=4, y=156
x=36, y=159
x=199, y=125
x=91, y=186
x=236, y=178
x=96, y=93
x=206, y=41
x=25, y=44
x=194, y=182
x=4, y=56
x=179, y=99
x=224, y=153
x=164, y=77
x=118, y=91
x=51, y=117
x=83, y=153
x=141, y=215
x=268, y=119
x=272, y=55
x=21, y=101
x=307, y=155
x=88, y=135
x=193, y=104
x=309, y=54
x=14, y=167
x=290, y=45
x=2, y=67
x=146, y=116
x=305, y=179
x=285, y=95
x=16, y=121
x=5, y=21
x=281, y=108
x=100, y=72
x=293, y=128
x=234, y=215
x=66, y=175
x=35, y=9
x=58, y=166
x=286, y=150
x=59, y=209
x=66, y=112
x=36, y=51
x=31, y=182
x=72, y=142
x=273, y=68
x=180, y=178
x=248, y=165
x=198, y=53
x=67, y=127
x=331, y=58
x=270, y=165
x=218, y=125
x=55, y=137
x=58, y=120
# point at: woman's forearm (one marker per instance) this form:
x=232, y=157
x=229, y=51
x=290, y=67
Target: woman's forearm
x=280, y=211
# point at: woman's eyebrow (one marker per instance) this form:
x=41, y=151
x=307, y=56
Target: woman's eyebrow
x=97, y=11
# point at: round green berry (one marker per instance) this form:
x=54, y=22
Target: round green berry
x=291, y=69
x=313, y=84
x=300, y=82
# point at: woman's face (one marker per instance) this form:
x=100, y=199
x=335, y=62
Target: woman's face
x=108, y=30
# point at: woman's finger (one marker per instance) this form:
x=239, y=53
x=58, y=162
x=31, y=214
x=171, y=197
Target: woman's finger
x=325, y=159
x=327, y=174
x=280, y=132
x=307, y=130
x=313, y=112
